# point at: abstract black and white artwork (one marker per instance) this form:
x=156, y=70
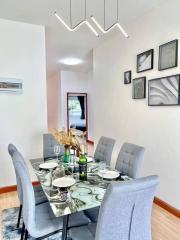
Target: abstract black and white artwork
x=168, y=55
x=11, y=85
x=139, y=88
x=164, y=91
x=127, y=77
x=145, y=61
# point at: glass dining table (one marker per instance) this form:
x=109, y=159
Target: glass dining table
x=81, y=196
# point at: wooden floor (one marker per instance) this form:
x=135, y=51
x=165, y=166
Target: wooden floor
x=165, y=226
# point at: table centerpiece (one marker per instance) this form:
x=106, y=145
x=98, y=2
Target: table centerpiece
x=70, y=140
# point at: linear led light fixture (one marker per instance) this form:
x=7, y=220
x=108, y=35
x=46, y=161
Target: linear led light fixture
x=116, y=24
x=71, y=29
x=110, y=28
x=77, y=26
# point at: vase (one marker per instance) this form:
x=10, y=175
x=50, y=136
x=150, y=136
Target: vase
x=67, y=155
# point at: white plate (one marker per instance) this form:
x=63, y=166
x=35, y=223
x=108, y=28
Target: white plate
x=90, y=159
x=108, y=174
x=126, y=178
x=48, y=165
x=63, y=182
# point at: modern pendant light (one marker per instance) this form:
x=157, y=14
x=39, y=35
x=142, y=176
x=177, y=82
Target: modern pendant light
x=116, y=24
x=85, y=21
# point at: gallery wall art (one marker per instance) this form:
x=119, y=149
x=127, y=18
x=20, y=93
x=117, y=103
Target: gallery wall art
x=164, y=91
x=139, y=88
x=168, y=55
x=145, y=61
x=127, y=77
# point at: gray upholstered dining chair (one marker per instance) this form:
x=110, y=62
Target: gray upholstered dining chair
x=125, y=212
x=48, y=146
x=104, y=149
x=39, y=220
x=130, y=160
x=103, y=152
x=39, y=194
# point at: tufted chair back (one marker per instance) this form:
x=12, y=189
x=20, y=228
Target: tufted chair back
x=27, y=190
x=104, y=150
x=48, y=146
x=12, y=149
x=125, y=212
x=130, y=159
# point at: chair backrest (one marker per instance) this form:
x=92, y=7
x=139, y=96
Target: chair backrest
x=48, y=146
x=104, y=149
x=11, y=150
x=125, y=212
x=130, y=159
x=27, y=190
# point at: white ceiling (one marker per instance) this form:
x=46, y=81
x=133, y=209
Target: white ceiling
x=61, y=43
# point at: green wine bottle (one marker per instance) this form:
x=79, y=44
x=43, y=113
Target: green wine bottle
x=82, y=166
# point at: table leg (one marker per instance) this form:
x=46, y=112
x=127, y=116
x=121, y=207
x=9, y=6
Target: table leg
x=65, y=227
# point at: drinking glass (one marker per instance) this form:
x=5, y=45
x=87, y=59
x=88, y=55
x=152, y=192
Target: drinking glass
x=72, y=163
x=59, y=172
x=57, y=151
x=102, y=170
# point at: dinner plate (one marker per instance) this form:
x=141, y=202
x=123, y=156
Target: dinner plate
x=90, y=159
x=108, y=174
x=63, y=182
x=48, y=165
x=126, y=178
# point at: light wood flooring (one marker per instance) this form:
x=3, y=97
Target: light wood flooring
x=165, y=226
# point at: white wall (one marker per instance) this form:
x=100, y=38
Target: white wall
x=120, y=117
x=53, y=101
x=76, y=82
x=90, y=107
x=23, y=118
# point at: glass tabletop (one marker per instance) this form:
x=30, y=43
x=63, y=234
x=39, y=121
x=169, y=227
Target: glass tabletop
x=81, y=196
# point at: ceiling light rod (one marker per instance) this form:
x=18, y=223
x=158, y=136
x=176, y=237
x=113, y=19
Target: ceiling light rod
x=79, y=24
x=116, y=24
x=71, y=29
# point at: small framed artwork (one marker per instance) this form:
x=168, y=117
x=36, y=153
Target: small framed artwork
x=139, y=88
x=145, y=61
x=168, y=55
x=127, y=77
x=11, y=85
x=164, y=91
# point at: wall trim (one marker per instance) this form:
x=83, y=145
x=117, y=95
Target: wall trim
x=167, y=207
x=90, y=142
x=13, y=188
x=8, y=189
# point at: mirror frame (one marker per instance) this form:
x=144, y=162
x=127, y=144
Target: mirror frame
x=78, y=94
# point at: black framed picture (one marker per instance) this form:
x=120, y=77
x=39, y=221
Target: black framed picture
x=145, y=61
x=164, y=91
x=127, y=77
x=11, y=85
x=168, y=55
x=139, y=88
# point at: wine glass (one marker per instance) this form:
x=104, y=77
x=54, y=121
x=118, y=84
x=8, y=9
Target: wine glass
x=102, y=170
x=72, y=163
x=57, y=151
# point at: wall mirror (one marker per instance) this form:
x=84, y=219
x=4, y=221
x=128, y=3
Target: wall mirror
x=77, y=116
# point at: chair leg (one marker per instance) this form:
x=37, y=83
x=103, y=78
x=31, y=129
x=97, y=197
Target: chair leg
x=19, y=216
x=65, y=227
x=22, y=232
x=26, y=235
